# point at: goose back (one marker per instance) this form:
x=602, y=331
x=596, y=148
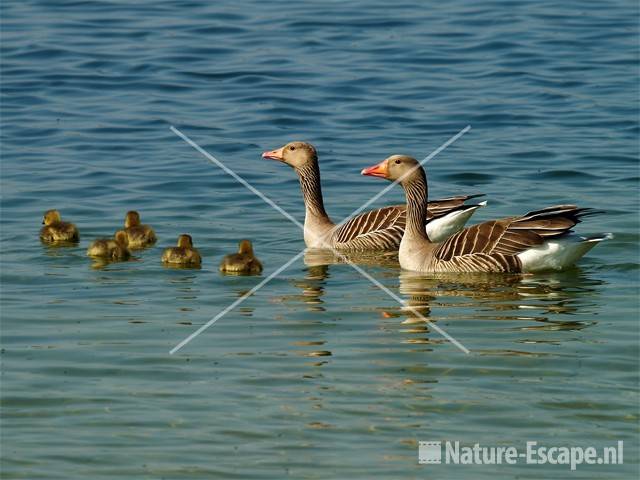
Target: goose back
x=493, y=246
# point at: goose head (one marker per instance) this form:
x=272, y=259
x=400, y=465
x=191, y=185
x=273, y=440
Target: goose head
x=132, y=219
x=50, y=217
x=294, y=154
x=397, y=168
x=185, y=241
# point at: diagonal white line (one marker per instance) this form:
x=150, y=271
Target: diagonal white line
x=394, y=183
x=234, y=304
x=213, y=159
x=401, y=301
x=290, y=217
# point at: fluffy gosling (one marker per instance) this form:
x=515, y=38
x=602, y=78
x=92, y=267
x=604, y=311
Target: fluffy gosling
x=242, y=262
x=138, y=235
x=55, y=230
x=183, y=254
x=110, y=248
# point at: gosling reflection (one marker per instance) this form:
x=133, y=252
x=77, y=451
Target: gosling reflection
x=100, y=263
x=59, y=248
x=184, y=295
x=58, y=253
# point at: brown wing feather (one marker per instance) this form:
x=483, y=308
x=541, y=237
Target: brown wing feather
x=381, y=228
x=510, y=236
x=480, y=238
x=384, y=227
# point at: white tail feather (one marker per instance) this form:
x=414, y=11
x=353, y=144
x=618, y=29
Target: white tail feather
x=558, y=254
x=439, y=229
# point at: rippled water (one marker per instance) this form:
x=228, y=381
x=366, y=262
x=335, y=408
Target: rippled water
x=90, y=89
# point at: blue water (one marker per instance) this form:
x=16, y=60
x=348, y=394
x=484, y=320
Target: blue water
x=89, y=91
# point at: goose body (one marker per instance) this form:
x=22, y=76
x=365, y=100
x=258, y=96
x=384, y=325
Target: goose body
x=183, y=254
x=55, y=230
x=138, y=235
x=110, y=248
x=244, y=262
x=379, y=229
x=538, y=241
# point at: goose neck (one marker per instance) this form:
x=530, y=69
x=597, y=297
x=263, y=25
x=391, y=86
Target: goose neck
x=309, y=176
x=416, y=194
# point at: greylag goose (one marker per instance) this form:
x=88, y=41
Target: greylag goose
x=55, y=230
x=379, y=229
x=537, y=241
x=138, y=235
x=183, y=253
x=242, y=262
x=110, y=248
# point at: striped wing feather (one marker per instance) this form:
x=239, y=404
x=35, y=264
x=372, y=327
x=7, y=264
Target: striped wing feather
x=510, y=236
x=383, y=228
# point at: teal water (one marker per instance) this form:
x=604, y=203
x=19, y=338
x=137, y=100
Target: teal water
x=89, y=91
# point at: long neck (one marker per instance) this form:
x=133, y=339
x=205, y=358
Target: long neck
x=312, y=191
x=416, y=193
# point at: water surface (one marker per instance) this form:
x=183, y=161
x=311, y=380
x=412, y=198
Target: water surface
x=90, y=90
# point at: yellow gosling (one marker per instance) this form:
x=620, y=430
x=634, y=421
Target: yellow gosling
x=55, y=230
x=242, y=262
x=110, y=248
x=183, y=254
x=138, y=235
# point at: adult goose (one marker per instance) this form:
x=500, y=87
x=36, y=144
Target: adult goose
x=537, y=241
x=379, y=229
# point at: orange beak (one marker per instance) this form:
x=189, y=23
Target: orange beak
x=274, y=154
x=380, y=170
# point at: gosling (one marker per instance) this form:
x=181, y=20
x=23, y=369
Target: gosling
x=138, y=235
x=184, y=254
x=55, y=230
x=110, y=248
x=242, y=262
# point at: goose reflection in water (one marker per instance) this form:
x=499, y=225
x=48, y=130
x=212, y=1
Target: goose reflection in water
x=543, y=302
x=314, y=281
x=482, y=297
x=317, y=263
x=312, y=286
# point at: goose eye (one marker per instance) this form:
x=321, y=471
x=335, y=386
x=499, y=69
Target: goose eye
x=397, y=162
x=292, y=148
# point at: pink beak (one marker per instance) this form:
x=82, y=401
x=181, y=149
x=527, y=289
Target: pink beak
x=380, y=170
x=274, y=154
